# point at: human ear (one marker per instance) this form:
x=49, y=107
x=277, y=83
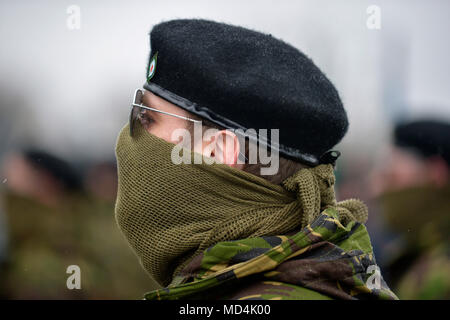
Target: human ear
x=225, y=147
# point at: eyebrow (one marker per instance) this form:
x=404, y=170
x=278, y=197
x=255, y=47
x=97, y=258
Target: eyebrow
x=166, y=112
x=154, y=113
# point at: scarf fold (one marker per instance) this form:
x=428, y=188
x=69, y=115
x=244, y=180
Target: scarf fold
x=169, y=213
x=314, y=188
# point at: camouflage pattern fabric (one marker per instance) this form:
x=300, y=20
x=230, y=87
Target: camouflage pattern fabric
x=325, y=260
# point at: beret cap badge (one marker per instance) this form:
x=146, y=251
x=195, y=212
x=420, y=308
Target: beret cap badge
x=152, y=67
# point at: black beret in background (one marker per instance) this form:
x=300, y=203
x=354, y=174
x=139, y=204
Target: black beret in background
x=56, y=167
x=239, y=78
x=428, y=137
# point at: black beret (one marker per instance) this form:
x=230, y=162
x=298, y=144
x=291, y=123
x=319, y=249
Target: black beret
x=428, y=137
x=56, y=167
x=240, y=78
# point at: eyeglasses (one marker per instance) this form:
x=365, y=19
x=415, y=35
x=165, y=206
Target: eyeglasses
x=138, y=110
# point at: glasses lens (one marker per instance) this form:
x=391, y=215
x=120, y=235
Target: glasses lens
x=135, y=111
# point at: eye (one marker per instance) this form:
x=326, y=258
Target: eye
x=145, y=118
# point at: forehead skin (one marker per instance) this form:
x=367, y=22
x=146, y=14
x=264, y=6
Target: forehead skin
x=163, y=125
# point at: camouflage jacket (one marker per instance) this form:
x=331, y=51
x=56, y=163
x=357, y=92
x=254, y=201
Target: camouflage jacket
x=325, y=260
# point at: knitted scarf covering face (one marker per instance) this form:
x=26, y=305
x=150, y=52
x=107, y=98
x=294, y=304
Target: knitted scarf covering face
x=170, y=212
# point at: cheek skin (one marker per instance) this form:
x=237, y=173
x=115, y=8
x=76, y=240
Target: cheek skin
x=165, y=127
x=164, y=124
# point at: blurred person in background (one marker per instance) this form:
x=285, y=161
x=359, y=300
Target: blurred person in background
x=101, y=181
x=40, y=224
x=413, y=190
x=53, y=223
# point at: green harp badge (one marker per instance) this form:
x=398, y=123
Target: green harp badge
x=152, y=67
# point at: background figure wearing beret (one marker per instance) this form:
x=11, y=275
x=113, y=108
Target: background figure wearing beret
x=220, y=228
x=53, y=219
x=413, y=188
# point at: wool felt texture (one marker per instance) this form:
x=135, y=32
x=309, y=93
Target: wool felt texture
x=240, y=79
x=171, y=212
x=426, y=137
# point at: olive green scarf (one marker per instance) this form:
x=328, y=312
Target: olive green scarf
x=171, y=212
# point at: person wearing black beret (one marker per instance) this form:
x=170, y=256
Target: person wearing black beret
x=413, y=188
x=226, y=181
